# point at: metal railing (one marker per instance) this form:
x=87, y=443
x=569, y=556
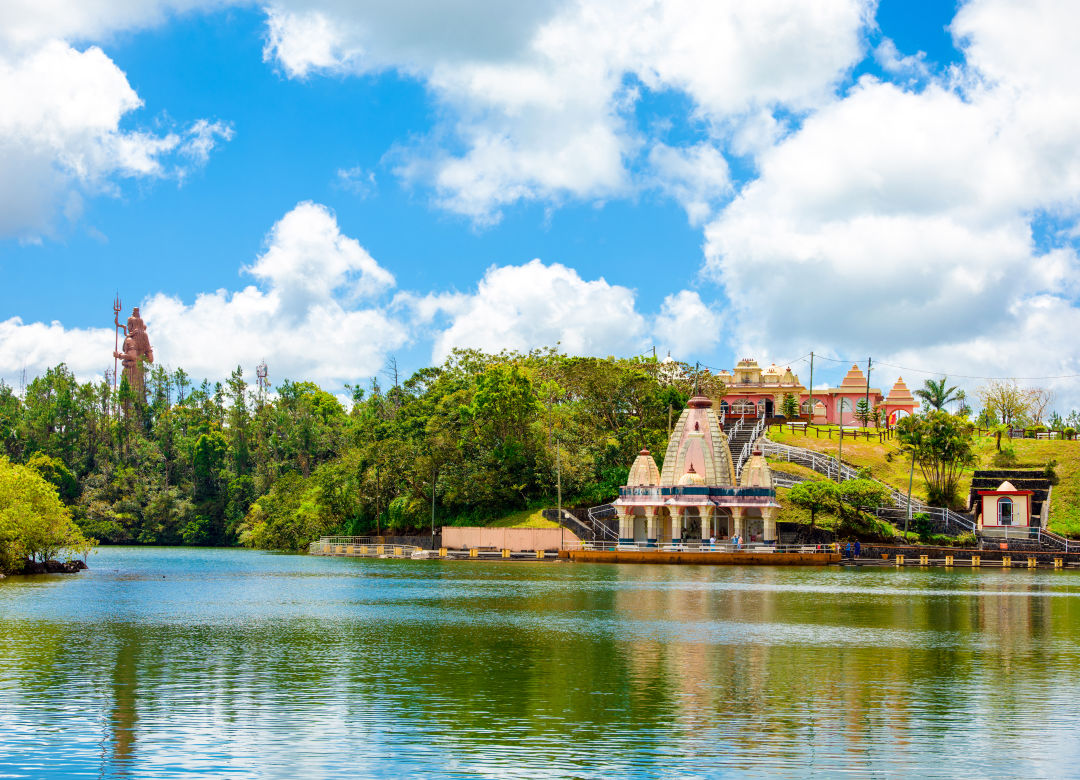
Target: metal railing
x=1057, y=540
x=696, y=547
x=360, y=547
x=601, y=529
x=837, y=471
x=748, y=447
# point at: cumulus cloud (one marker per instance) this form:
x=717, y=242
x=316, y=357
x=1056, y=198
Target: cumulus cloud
x=899, y=221
x=697, y=177
x=313, y=314
x=61, y=130
x=520, y=307
x=537, y=94
x=686, y=326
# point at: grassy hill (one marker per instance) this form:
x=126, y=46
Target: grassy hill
x=891, y=466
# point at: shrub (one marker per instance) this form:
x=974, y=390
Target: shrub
x=1006, y=457
x=922, y=525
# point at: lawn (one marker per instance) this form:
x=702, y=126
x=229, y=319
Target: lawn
x=526, y=518
x=888, y=464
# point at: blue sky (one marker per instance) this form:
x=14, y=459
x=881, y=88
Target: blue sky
x=757, y=178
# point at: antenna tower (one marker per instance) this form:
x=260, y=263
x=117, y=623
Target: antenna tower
x=262, y=377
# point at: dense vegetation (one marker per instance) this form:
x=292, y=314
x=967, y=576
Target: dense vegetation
x=220, y=464
x=35, y=525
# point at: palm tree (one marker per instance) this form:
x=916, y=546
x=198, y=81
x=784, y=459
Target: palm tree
x=935, y=394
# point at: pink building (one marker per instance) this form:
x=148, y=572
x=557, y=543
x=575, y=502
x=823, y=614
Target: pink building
x=756, y=392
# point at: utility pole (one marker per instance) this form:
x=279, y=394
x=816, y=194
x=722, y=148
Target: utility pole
x=910, y=480
x=869, y=363
x=840, y=452
x=433, y=504
x=811, y=388
x=558, y=493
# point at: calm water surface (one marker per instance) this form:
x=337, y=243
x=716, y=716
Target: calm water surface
x=165, y=662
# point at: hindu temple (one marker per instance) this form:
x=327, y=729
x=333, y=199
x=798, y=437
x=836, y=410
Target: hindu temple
x=752, y=391
x=696, y=497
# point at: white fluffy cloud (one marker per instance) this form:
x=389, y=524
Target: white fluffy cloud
x=538, y=94
x=520, y=307
x=686, y=326
x=313, y=315
x=61, y=127
x=899, y=222
x=697, y=177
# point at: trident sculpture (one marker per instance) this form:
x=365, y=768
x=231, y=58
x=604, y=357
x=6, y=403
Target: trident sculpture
x=135, y=350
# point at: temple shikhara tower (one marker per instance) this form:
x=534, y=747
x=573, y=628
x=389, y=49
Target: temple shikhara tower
x=136, y=349
x=696, y=496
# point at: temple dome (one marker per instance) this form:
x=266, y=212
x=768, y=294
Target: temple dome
x=756, y=472
x=1006, y=487
x=644, y=472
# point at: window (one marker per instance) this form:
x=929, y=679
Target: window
x=743, y=406
x=844, y=405
x=725, y=406
x=817, y=404
x=1005, y=511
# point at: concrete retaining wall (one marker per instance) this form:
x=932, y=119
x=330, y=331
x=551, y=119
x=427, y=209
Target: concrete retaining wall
x=513, y=539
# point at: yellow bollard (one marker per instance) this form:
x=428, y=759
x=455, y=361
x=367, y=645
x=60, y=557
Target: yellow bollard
x=540, y=554
x=1058, y=563
x=1032, y=562
x=1006, y=561
x=380, y=550
x=340, y=549
x=506, y=553
x=363, y=549
x=948, y=560
x=899, y=560
x=924, y=560
x=474, y=553
x=442, y=552
x=976, y=561
x=399, y=551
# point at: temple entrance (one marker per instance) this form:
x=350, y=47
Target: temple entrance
x=723, y=524
x=769, y=407
x=692, y=530
x=640, y=529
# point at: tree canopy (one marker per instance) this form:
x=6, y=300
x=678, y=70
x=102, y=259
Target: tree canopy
x=212, y=464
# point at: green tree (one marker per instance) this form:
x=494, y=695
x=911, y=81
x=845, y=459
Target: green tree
x=935, y=394
x=34, y=523
x=790, y=407
x=943, y=444
x=816, y=496
x=864, y=494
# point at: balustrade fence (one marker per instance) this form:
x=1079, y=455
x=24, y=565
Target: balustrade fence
x=947, y=520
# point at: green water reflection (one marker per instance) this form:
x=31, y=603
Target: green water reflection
x=160, y=662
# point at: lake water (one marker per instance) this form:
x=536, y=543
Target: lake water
x=165, y=662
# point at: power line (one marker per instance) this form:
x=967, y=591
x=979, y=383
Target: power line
x=952, y=374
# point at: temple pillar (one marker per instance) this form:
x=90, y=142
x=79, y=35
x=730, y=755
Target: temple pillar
x=652, y=528
x=737, y=522
x=626, y=525
x=708, y=529
x=768, y=531
x=676, y=525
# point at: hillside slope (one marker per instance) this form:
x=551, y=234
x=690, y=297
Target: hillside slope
x=891, y=466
